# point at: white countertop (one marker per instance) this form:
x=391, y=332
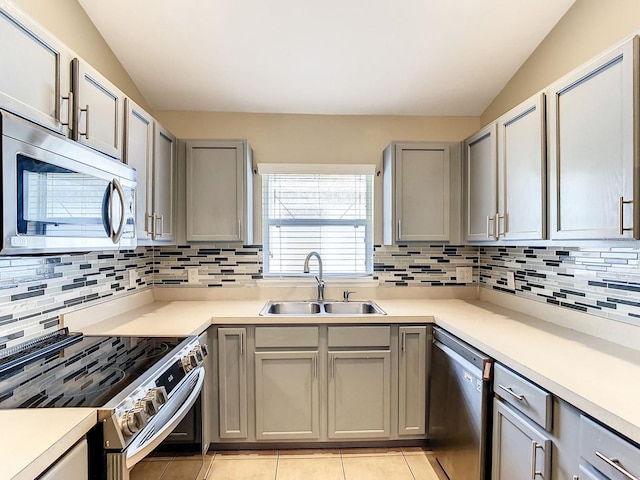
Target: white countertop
x=592, y=374
x=595, y=375
x=33, y=439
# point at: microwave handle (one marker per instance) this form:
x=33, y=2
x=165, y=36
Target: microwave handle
x=107, y=211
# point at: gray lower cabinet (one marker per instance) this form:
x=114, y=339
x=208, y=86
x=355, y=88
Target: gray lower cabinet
x=521, y=451
x=359, y=394
x=232, y=382
x=287, y=396
x=73, y=465
x=412, y=381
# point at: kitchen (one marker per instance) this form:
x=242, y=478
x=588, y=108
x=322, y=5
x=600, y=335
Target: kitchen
x=41, y=288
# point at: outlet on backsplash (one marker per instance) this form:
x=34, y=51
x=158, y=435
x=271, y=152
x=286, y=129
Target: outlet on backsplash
x=192, y=275
x=511, y=280
x=464, y=274
x=133, y=278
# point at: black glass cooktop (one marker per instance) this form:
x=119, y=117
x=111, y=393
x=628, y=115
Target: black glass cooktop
x=88, y=372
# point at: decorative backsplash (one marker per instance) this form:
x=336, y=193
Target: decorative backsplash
x=35, y=290
x=422, y=266
x=600, y=281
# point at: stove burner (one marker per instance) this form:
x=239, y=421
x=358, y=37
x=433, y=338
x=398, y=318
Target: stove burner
x=158, y=349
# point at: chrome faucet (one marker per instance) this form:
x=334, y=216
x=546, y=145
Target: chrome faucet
x=319, y=278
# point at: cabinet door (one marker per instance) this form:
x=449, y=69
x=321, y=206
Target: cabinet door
x=593, y=151
x=413, y=375
x=422, y=192
x=232, y=382
x=74, y=465
x=520, y=450
x=219, y=191
x=98, y=110
x=481, y=177
x=287, y=399
x=36, y=71
x=359, y=394
x=164, y=173
x=521, y=172
x=138, y=153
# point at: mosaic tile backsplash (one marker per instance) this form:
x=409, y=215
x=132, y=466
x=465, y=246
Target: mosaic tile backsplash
x=599, y=281
x=35, y=290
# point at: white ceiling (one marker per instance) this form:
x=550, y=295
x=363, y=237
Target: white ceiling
x=378, y=57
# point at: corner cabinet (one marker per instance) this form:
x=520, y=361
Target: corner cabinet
x=219, y=185
x=417, y=192
x=505, y=176
x=164, y=188
x=97, y=113
x=480, y=186
x=412, y=382
x=39, y=85
x=594, y=149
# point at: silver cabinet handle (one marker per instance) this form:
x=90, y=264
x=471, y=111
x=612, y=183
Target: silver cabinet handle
x=622, y=203
x=161, y=229
x=240, y=230
x=149, y=227
x=86, y=123
x=399, y=229
x=153, y=226
x=510, y=391
x=333, y=366
x=69, y=99
x=534, y=446
x=315, y=365
x=615, y=463
x=241, y=343
x=498, y=231
x=489, y=220
x=404, y=341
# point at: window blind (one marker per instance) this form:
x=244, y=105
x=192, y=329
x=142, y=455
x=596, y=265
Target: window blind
x=328, y=213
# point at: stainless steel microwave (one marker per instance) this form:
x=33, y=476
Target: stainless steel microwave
x=60, y=196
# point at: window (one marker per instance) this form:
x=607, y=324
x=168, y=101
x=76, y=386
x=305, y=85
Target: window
x=327, y=213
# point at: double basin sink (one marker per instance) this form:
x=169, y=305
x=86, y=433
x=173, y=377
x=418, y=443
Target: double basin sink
x=327, y=307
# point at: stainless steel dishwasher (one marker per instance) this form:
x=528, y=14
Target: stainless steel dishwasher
x=460, y=408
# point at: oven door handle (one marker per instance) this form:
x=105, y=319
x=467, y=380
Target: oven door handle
x=162, y=424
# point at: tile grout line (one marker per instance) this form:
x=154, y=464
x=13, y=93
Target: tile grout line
x=277, y=460
x=344, y=473
x=408, y=466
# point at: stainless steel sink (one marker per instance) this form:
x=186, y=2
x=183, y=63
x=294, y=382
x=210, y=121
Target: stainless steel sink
x=352, y=308
x=312, y=308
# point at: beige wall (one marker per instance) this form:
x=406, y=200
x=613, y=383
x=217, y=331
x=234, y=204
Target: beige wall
x=278, y=138
x=587, y=29
x=67, y=21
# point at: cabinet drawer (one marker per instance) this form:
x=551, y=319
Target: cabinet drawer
x=609, y=453
x=523, y=395
x=357, y=336
x=286, y=337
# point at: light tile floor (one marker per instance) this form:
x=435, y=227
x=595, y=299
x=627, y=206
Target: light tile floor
x=321, y=464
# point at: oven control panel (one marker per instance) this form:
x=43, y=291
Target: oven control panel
x=134, y=412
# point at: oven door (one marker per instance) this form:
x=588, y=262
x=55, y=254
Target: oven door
x=169, y=416
x=53, y=202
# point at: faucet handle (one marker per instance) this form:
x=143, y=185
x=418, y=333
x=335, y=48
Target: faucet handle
x=345, y=295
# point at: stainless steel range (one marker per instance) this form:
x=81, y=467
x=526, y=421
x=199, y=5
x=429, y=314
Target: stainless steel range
x=141, y=386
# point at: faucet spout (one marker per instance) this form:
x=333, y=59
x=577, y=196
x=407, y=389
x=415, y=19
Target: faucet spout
x=319, y=278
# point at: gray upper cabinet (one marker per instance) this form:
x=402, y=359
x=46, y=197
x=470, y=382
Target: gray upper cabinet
x=417, y=193
x=219, y=188
x=164, y=188
x=522, y=172
x=593, y=149
x=480, y=186
x=97, y=119
x=39, y=84
x=138, y=153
